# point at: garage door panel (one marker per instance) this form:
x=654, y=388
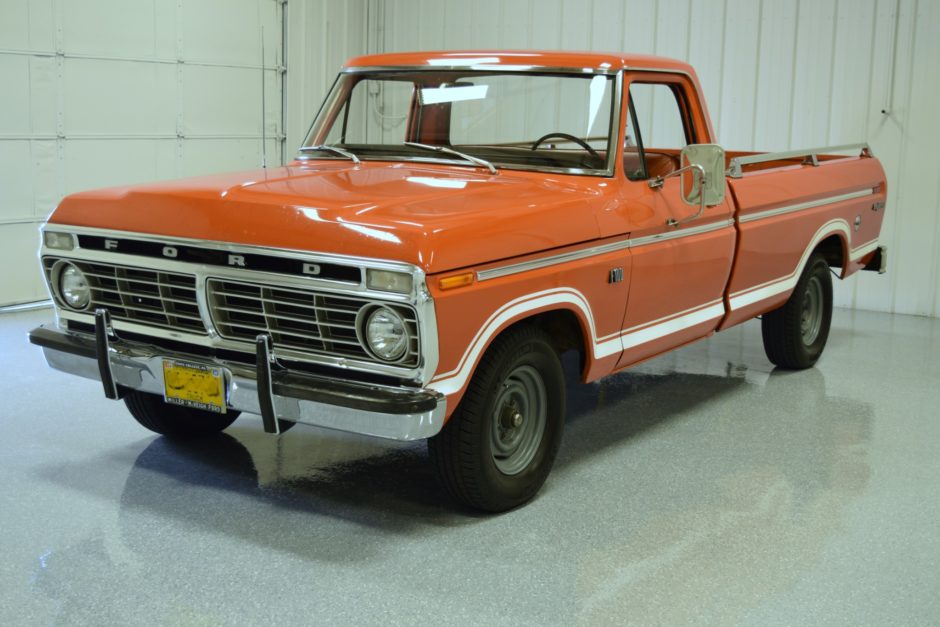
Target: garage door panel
x=119, y=97
x=19, y=252
x=115, y=28
x=102, y=93
x=209, y=156
x=95, y=163
x=45, y=174
x=16, y=180
x=15, y=113
x=229, y=31
x=222, y=101
x=165, y=20
x=14, y=27
x=27, y=25
x=43, y=95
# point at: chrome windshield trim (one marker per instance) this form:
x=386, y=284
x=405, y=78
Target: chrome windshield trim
x=779, y=211
x=451, y=162
x=484, y=67
x=593, y=251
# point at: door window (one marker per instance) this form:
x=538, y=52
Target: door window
x=656, y=130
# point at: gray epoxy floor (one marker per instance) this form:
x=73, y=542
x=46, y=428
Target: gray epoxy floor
x=702, y=487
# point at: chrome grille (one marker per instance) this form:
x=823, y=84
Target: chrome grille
x=298, y=319
x=147, y=297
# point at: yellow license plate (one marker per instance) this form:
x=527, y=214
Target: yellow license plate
x=194, y=385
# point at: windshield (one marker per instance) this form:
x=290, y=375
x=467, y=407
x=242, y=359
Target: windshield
x=516, y=120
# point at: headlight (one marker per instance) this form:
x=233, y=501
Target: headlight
x=385, y=334
x=387, y=281
x=59, y=241
x=73, y=287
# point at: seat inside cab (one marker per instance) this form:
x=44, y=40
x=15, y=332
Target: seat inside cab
x=657, y=163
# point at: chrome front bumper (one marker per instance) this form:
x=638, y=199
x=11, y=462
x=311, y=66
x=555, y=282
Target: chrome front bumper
x=386, y=412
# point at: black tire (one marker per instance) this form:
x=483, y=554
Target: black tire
x=498, y=447
x=796, y=333
x=174, y=421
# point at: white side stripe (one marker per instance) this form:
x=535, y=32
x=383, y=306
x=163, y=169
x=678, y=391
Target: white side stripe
x=757, y=293
x=452, y=381
x=675, y=325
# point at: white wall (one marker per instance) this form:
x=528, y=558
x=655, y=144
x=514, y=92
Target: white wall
x=110, y=92
x=321, y=35
x=777, y=74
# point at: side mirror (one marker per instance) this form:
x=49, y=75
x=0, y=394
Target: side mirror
x=702, y=172
x=711, y=159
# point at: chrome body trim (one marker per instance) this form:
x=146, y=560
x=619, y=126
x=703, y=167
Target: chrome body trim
x=736, y=167
x=779, y=211
x=461, y=164
x=687, y=232
x=482, y=67
x=143, y=371
x=335, y=149
x=420, y=299
x=306, y=255
x=575, y=255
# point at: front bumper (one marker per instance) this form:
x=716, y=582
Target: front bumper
x=386, y=412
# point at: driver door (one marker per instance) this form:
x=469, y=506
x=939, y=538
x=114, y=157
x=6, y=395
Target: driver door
x=679, y=272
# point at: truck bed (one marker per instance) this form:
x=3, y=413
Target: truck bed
x=786, y=204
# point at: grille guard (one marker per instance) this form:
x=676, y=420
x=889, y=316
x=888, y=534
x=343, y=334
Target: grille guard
x=270, y=390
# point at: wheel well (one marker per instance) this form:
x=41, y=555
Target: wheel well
x=833, y=251
x=563, y=326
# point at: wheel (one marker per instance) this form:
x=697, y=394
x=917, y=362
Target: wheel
x=796, y=333
x=174, y=421
x=499, y=445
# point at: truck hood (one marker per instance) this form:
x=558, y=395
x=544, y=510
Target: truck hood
x=436, y=217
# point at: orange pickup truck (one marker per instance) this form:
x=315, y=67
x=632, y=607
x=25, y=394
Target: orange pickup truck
x=453, y=222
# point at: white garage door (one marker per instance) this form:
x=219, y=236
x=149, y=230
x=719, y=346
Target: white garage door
x=111, y=92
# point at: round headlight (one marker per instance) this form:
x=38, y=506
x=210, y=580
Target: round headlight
x=386, y=334
x=73, y=287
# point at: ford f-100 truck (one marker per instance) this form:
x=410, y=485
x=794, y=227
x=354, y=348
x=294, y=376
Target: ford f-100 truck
x=452, y=224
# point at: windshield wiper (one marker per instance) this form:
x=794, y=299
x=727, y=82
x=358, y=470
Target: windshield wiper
x=462, y=155
x=334, y=149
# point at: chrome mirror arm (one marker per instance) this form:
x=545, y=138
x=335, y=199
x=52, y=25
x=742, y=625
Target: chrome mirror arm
x=657, y=183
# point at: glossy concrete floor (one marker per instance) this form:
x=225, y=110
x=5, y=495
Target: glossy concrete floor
x=703, y=487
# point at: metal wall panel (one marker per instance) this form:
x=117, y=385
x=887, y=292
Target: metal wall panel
x=778, y=75
x=112, y=92
x=322, y=35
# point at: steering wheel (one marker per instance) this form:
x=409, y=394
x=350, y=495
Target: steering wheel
x=577, y=140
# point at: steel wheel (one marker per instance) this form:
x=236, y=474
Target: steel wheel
x=811, y=316
x=518, y=421
x=796, y=333
x=499, y=445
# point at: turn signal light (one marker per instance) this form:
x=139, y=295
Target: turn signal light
x=458, y=280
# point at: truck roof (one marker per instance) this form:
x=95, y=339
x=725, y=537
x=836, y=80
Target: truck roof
x=514, y=58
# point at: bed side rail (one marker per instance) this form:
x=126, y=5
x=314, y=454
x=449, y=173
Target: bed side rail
x=810, y=157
